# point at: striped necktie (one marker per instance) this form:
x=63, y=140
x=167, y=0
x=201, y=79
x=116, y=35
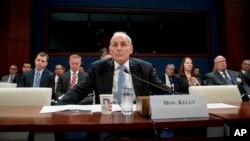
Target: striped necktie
x=73, y=80
x=37, y=80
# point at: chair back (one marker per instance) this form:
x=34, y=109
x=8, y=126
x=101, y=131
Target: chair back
x=8, y=85
x=25, y=96
x=218, y=93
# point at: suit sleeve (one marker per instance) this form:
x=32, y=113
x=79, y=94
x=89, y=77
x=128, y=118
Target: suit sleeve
x=208, y=79
x=80, y=91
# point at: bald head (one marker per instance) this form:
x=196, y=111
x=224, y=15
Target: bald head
x=220, y=63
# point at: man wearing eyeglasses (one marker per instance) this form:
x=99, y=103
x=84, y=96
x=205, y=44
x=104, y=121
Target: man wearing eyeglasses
x=13, y=72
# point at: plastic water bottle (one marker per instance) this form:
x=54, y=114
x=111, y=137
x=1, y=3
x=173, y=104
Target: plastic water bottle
x=127, y=100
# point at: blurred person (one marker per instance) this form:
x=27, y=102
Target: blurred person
x=224, y=76
x=26, y=67
x=187, y=75
x=169, y=77
x=59, y=70
x=12, y=74
x=18, y=79
x=105, y=55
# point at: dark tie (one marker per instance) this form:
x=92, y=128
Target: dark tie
x=121, y=79
x=37, y=80
x=229, y=82
x=171, y=82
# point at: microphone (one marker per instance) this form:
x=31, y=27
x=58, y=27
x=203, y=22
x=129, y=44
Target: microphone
x=138, y=78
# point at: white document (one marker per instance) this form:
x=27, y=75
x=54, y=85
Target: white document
x=90, y=108
x=220, y=105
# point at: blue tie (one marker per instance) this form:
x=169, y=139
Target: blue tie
x=37, y=80
x=121, y=79
x=229, y=82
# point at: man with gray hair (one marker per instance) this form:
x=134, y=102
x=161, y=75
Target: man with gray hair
x=169, y=78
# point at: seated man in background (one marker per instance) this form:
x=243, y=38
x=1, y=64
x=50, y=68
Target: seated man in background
x=223, y=76
x=169, y=78
x=103, y=78
x=18, y=79
x=244, y=74
x=72, y=77
x=12, y=74
x=40, y=76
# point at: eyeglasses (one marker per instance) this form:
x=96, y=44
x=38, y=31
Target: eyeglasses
x=13, y=69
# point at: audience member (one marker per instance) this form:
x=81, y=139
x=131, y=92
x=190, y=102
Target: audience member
x=169, y=78
x=72, y=77
x=40, y=76
x=18, y=79
x=223, y=76
x=187, y=75
x=82, y=68
x=26, y=67
x=12, y=74
x=59, y=70
x=104, y=76
x=105, y=55
x=244, y=74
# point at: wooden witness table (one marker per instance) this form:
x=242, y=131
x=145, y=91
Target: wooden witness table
x=28, y=118
x=234, y=118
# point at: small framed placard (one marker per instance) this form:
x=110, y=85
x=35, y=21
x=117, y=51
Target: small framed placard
x=177, y=106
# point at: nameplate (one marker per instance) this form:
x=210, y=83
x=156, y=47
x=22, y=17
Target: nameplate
x=177, y=106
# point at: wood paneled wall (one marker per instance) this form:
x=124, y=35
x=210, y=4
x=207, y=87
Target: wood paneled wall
x=15, y=39
x=234, y=51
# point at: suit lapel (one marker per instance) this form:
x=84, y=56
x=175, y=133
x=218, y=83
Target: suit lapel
x=67, y=83
x=220, y=77
x=135, y=70
x=43, y=78
x=32, y=74
x=108, y=77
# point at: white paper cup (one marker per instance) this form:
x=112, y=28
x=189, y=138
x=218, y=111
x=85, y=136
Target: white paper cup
x=106, y=101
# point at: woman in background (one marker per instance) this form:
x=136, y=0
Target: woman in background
x=187, y=75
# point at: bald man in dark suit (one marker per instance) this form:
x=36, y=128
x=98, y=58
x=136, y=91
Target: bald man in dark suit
x=223, y=76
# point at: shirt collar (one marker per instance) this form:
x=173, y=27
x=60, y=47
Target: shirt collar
x=221, y=72
x=71, y=72
x=41, y=71
x=126, y=65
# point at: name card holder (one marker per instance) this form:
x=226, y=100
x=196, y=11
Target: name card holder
x=177, y=106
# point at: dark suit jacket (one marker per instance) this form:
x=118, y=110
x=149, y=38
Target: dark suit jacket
x=175, y=81
x=18, y=79
x=184, y=84
x=215, y=78
x=63, y=85
x=47, y=79
x=100, y=79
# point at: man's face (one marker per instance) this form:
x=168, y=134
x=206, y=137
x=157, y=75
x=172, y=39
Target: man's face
x=26, y=67
x=120, y=49
x=75, y=64
x=59, y=70
x=170, y=70
x=13, y=70
x=220, y=64
x=245, y=65
x=41, y=62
